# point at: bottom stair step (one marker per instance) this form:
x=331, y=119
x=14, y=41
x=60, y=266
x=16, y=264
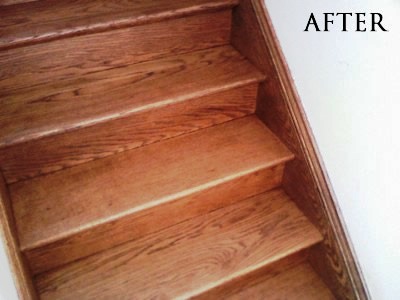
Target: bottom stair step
x=297, y=283
x=291, y=278
x=190, y=258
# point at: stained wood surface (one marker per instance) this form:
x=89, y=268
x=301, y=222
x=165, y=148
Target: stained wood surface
x=48, y=20
x=193, y=256
x=75, y=57
x=279, y=106
x=8, y=237
x=300, y=282
x=239, y=284
x=11, y=2
x=138, y=224
x=102, y=96
x=58, y=152
x=97, y=196
x=164, y=220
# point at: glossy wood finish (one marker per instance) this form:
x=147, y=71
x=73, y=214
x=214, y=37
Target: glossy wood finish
x=131, y=227
x=79, y=208
x=241, y=283
x=127, y=146
x=49, y=20
x=12, y=2
x=58, y=152
x=203, y=252
x=305, y=181
x=8, y=236
x=58, y=107
x=76, y=57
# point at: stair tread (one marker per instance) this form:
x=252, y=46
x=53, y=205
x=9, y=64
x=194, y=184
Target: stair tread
x=46, y=20
x=299, y=282
x=64, y=105
x=60, y=204
x=203, y=252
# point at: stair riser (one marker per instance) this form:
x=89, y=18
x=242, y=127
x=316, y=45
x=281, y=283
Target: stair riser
x=55, y=153
x=67, y=59
x=139, y=224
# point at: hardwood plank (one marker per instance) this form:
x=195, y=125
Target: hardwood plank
x=203, y=252
x=73, y=205
x=48, y=20
x=58, y=152
x=103, y=96
x=8, y=235
x=67, y=59
x=11, y=2
x=279, y=107
x=298, y=282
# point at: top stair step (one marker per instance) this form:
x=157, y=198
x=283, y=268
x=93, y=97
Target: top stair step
x=46, y=20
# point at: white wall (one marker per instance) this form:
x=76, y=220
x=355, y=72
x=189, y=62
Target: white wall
x=7, y=288
x=349, y=84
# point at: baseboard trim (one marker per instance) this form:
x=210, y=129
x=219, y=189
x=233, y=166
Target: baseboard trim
x=20, y=272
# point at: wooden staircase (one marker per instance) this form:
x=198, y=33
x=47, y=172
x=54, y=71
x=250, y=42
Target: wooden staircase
x=134, y=163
